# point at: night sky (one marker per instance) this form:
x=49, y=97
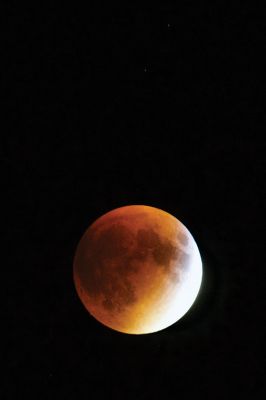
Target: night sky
x=106, y=107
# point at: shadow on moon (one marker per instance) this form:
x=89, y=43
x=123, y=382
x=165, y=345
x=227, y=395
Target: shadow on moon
x=114, y=255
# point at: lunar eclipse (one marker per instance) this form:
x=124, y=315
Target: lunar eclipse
x=137, y=269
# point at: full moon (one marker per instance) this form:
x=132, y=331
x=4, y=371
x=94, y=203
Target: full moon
x=137, y=269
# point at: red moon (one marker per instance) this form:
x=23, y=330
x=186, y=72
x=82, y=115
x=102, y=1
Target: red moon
x=137, y=269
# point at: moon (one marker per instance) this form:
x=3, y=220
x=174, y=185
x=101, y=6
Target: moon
x=137, y=269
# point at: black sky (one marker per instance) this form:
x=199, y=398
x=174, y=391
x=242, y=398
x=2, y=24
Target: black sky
x=106, y=107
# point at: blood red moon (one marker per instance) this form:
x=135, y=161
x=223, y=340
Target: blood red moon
x=137, y=269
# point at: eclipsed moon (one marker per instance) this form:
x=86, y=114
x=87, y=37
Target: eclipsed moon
x=137, y=269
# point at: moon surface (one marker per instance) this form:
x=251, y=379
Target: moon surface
x=137, y=269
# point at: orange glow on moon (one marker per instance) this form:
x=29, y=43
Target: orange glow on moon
x=137, y=269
